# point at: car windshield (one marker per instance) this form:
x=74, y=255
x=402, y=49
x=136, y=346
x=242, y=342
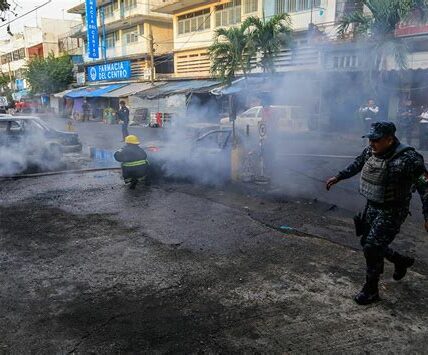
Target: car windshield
x=252, y=112
x=35, y=124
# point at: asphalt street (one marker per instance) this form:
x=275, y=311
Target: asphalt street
x=89, y=266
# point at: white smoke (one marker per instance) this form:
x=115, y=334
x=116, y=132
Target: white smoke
x=27, y=153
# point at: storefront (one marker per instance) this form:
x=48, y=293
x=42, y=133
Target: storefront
x=92, y=96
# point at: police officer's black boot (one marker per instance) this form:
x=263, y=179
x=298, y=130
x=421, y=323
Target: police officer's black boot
x=374, y=261
x=402, y=263
x=369, y=292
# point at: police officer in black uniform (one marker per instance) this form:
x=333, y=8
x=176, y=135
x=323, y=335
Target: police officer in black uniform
x=389, y=172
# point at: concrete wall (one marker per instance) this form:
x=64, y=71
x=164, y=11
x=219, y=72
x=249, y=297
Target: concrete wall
x=325, y=14
x=162, y=36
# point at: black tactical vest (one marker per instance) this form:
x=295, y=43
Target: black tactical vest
x=374, y=182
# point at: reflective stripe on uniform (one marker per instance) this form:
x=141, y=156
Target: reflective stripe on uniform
x=135, y=163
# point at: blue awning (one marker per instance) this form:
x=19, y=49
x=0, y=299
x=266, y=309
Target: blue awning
x=93, y=91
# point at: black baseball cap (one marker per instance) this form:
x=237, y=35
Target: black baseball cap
x=380, y=129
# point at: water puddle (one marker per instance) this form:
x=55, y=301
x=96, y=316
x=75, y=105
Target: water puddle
x=102, y=158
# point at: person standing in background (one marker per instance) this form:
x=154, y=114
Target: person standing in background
x=406, y=120
x=369, y=114
x=86, y=110
x=123, y=115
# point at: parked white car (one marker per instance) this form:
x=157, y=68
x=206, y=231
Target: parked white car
x=290, y=118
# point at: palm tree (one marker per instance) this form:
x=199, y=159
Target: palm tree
x=266, y=37
x=378, y=28
x=229, y=53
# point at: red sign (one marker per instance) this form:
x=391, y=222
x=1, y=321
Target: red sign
x=36, y=51
x=405, y=30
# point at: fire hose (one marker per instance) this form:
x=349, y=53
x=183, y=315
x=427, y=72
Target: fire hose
x=61, y=172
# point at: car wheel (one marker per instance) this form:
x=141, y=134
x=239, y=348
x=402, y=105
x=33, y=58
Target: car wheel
x=53, y=154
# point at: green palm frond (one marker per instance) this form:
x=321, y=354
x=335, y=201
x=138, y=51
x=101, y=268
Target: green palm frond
x=229, y=53
x=358, y=19
x=266, y=37
x=379, y=27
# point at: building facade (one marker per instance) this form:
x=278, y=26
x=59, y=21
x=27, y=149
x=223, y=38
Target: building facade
x=125, y=29
x=32, y=41
x=195, y=22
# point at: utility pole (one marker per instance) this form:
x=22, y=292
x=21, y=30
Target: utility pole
x=152, y=55
x=103, y=40
x=10, y=74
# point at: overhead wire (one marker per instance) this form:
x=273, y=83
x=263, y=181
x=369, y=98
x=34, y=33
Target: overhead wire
x=25, y=14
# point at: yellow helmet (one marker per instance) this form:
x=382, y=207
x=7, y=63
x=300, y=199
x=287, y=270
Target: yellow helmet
x=132, y=139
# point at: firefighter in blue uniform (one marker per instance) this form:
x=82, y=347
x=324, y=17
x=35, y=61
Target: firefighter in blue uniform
x=133, y=159
x=389, y=172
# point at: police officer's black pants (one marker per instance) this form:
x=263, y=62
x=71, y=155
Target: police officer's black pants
x=384, y=225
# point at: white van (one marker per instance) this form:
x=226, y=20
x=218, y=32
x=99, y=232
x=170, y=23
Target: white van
x=290, y=118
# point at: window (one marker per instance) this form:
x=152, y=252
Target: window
x=345, y=61
x=111, y=39
x=194, y=22
x=130, y=35
x=109, y=9
x=228, y=14
x=250, y=6
x=282, y=6
x=18, y=54
x=7, y=58
x=251, y=113
x=129, y=4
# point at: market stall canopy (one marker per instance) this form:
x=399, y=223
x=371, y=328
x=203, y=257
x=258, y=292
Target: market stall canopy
x=183, y=87
x=61, y=94
x=93, y=91
x=131, y=89
x=256, y=84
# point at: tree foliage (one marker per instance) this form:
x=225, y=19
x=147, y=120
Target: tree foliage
x=379, y=25
x=230, y=53
x=4, y=6
x=49, y=75
x=235, y=47
x=4, y=81
x=266, y=37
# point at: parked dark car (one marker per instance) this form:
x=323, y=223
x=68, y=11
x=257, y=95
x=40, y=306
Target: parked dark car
x=205, y=159
x=29, y=141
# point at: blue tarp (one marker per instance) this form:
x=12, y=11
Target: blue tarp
x=93, y=91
